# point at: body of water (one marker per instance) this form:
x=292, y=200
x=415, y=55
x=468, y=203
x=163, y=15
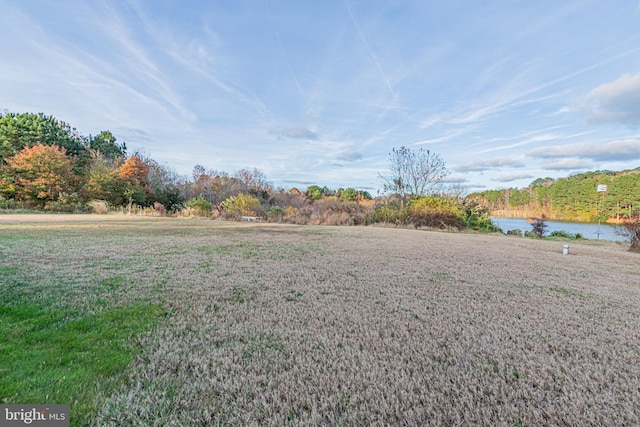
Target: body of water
x=586, y=229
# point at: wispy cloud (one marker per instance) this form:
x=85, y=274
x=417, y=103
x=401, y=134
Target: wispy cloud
x=448, y=136
x=158, y=84
x=132, y=134
x=519, y=136
x=350, y=156
x=512, y=177
x=430, y=121
x=517, y=92
x=455, y=179
x=201, y=52
x=481, y=112
x=567, y=165
x=298, y=182
x=93, y=87
x=485, y=165
x=623, y=150
x=531, y=140
x=294, y=132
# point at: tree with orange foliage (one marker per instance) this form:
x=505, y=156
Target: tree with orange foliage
x=41, y=173
x=136, y=171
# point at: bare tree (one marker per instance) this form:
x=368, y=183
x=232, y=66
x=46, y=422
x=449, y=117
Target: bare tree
x=630, y=230
x=254, y=180
x=198, y=171
x=414, y=172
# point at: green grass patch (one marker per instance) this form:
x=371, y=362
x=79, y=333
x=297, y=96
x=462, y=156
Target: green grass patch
x=8, y=270
x=113, y=283
x=52, y=356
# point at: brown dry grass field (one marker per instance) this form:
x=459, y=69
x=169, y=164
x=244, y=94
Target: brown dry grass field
x=316, y=325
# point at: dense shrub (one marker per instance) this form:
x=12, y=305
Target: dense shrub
x=7, y=203
x=563, y=234
x=298, y=216
x=327, y=211
x=440, y=212
x=288, y=199
x=435, y=212
x=349, y=194
x=70, y=203
x=169, y=197
x=392, y=213
x=290, y=212
x=539, y=227
x=276, y=214
x=200, y=206
x=242, y=205
x=314, y=192
x=476, y=217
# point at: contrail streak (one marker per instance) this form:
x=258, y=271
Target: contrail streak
x=372, y=55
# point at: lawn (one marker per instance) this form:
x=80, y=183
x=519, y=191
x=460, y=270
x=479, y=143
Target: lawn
x=142, y=321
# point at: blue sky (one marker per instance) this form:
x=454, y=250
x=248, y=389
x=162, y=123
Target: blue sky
x=319, y=92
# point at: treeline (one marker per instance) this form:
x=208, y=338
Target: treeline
x=47, y=165
x=574, y=198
